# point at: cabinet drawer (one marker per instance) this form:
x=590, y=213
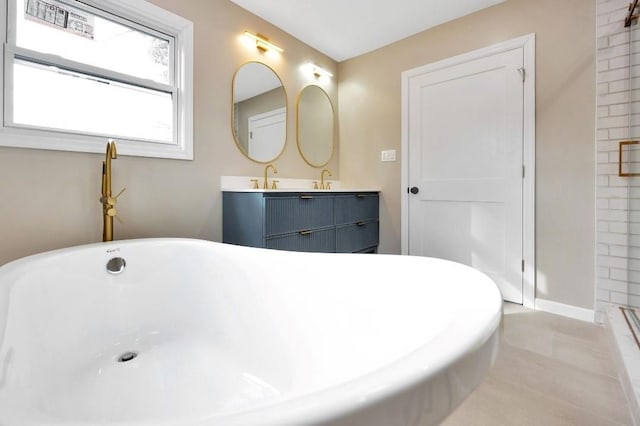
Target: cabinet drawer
x=356, y=237
x=296, y=213
x=323, y=240
x=352, y=208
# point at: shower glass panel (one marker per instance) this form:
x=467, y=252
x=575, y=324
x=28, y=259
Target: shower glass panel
x=630, y=170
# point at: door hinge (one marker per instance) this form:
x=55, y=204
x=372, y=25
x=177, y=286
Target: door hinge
x=523, y=171
x=523, y=73
x=522, y=265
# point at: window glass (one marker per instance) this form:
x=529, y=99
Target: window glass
x=48, y=97
x=76, y=34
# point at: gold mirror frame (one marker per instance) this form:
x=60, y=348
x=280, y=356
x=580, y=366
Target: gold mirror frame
x=315, y=125
x=269, y=105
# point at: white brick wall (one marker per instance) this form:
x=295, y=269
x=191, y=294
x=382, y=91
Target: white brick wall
x=618, y=118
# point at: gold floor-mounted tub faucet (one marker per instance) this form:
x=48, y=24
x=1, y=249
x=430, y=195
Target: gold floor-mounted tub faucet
x=107, y=200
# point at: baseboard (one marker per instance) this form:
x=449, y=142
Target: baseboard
x=569, y=311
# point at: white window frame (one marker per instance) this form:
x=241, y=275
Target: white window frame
x=144, y=14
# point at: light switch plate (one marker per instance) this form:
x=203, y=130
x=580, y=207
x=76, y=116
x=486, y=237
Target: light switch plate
x=389, y=155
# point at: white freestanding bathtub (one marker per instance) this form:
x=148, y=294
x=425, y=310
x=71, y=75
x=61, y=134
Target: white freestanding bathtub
x=200, y=333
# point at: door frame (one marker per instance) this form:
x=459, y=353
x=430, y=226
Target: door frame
x=527, y=43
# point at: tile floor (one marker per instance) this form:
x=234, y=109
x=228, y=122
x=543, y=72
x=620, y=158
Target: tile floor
x=550, y=370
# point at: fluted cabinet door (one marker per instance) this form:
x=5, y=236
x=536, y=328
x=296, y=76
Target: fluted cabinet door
x=362, y=236
x=297, y=213
x=323, y=240
x=352, y=208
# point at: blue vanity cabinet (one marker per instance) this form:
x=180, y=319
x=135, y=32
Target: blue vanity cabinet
x=312, y=222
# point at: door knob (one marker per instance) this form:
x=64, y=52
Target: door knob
x=414, y=190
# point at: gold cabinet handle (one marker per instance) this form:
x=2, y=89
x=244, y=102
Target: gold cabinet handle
x=361, y=195
x=306, y=197
x=306, y=232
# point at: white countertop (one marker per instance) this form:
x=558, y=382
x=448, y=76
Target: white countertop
x=244, y=184
x=305, y=190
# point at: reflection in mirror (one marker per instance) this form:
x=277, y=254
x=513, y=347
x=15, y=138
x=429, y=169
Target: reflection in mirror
x=315, y=126
x=259, y=116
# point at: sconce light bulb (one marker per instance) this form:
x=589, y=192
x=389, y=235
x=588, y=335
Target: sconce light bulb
x=262, y=43
x=317, y=71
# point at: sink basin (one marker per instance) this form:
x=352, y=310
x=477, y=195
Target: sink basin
x=188, y=332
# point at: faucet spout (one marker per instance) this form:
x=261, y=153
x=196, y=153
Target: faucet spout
x=322, y=184
x=266, y=169
x=111, y=154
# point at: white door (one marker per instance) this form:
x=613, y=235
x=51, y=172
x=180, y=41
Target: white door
x=465, y=142
x=267, y=133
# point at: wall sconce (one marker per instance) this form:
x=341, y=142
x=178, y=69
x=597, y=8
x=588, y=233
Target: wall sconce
x=317, y=71
x=262, y=43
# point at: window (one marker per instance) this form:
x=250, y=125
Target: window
x=77, y=73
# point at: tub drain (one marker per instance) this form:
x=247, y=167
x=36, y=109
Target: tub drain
x=127, y=356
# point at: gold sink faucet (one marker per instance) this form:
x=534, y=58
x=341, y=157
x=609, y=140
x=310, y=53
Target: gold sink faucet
x=266, y=169
x=107, y=200
x=322, y=184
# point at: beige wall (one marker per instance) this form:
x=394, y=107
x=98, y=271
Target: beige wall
x=49, y=199
x=369, y=107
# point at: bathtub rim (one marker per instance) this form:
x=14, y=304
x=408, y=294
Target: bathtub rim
x=334, y=401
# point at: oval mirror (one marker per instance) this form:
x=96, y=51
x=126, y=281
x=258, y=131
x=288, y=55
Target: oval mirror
x=259, y=116
x=315, y=126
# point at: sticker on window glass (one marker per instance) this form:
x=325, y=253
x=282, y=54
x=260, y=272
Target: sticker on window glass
x=60, y=16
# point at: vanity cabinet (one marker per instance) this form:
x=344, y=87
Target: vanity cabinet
x=342, y=222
